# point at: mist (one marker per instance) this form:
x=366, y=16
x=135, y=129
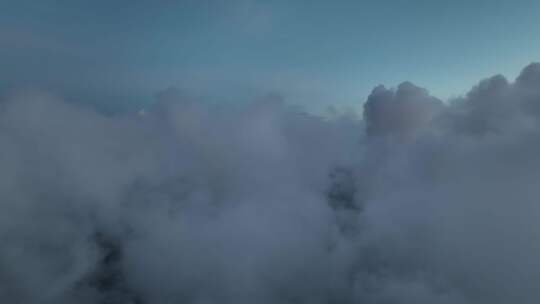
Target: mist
x=419, y=201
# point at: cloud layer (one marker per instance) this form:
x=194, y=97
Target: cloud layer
x=421, y=202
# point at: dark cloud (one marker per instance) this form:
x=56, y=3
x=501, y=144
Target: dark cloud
x=261, y=203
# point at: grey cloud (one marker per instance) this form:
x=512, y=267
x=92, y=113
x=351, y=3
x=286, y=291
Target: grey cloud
x=402, y=111
x=262, y=203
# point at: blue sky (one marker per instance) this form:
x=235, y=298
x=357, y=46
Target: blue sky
x=314, y=53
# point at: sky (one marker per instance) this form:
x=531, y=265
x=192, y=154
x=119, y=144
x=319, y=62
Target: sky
x=313, y=53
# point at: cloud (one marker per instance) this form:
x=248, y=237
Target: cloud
x=423, y=202
x=403, y=111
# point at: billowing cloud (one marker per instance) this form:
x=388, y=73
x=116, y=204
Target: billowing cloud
x=262, y=203
x=399, y=112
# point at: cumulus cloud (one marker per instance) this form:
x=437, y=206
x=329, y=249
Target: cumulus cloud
x=399, y=112
x=422, y=202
